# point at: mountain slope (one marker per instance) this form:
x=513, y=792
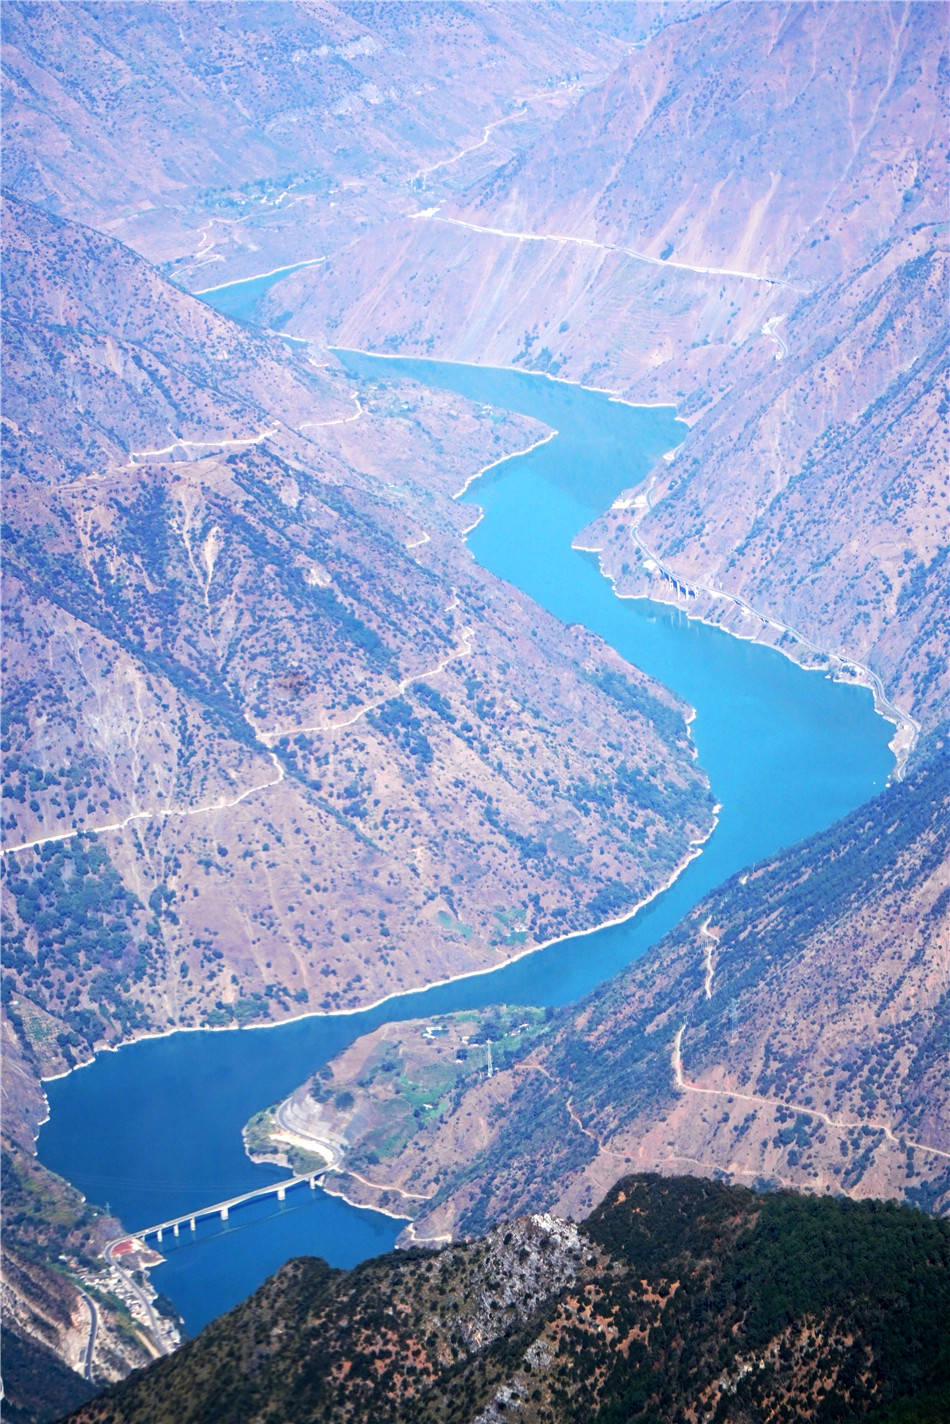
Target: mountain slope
x=230, y=147
x=674, y=1299
x=746, y=218
x=258, y=663
x=273, y=744
x=791, y=1030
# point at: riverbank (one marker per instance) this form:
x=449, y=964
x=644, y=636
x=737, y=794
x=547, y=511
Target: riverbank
x=771, y=632
x=613, y=396
x=388, y=999
x=677, y=589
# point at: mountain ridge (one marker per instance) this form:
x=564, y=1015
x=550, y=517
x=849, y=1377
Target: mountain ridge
x=674, y=1297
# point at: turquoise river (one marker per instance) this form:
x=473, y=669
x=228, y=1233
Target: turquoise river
x=155, y=1128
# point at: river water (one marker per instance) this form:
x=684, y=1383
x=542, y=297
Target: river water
x=155, y=1129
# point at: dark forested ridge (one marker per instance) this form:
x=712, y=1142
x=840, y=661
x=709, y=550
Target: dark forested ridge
x=44, y=1387
x=676, y=1298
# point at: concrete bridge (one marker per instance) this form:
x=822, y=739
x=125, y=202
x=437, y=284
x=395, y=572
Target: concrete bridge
x=221, y=1209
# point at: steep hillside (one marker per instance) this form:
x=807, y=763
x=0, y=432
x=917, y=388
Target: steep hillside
x=273, y=744
x=63, y=1325
x=259, y=722
x=792, y=1030
x=746, y=218
x=229, y=146
x=809, y=507
x=862, y=82
x=38, y=1386
x=675, y=1300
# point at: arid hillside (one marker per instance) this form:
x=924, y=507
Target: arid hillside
x=748, y=218
x=790, y=1032
x=274, y=744
x=226, y=146
x=271, y=745
x=738, y=208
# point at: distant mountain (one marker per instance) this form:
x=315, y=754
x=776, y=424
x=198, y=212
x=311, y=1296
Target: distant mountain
x=687, y=159
x=791, y=1031
x=674, y=1300
x=229, y=145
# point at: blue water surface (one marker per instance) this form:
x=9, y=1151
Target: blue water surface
x=241, y=300
x=155, y=1128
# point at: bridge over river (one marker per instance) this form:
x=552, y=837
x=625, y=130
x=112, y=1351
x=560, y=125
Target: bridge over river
x=220, y=1209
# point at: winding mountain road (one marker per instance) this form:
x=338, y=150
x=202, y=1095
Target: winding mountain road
x=566, y=239
x=93, y=1331
x=838, y=1124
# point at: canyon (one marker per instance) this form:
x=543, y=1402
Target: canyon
x=275, y=744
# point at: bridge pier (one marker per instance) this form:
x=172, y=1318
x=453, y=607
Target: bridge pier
x=223, y=1209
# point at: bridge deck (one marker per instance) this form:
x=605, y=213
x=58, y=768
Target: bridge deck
x=225, y=1207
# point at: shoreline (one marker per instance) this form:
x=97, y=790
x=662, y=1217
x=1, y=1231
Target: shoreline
x=272, y=1154
x=493, y=464
x=364, y=1206
x=614, y=396
x=695, y=849
x=905, y=726
x=694, y=846
x=256, y=277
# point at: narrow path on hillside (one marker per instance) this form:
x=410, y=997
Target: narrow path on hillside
x=387, y=1186
x=337, y=420
x=768, y=330
x=489, y=129
x=531, y=1065
x=162, y=814
x=179, y=444
x=710, y=938
x=839, y=1124
x=433, y=215
x=443, y=1238
x=93, y=1332
x=572, y=1114
x=463, y=650
x=258, y=276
